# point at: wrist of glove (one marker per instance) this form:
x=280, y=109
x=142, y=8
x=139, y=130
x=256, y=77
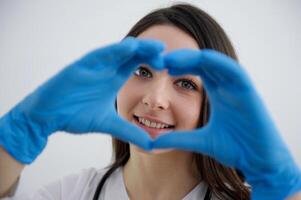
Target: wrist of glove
x=278, y=184
x=15, y=130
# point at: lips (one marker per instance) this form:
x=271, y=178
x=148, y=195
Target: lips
x=153, y=132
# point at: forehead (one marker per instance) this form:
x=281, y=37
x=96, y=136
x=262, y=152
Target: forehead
x=173, y=37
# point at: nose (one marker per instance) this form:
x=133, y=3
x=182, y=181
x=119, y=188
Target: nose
x=157, y=96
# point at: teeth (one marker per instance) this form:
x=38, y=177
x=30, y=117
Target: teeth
x=151, y=124
x=147, y=123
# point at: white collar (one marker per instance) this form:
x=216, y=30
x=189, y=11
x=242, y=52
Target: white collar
x=115, y=188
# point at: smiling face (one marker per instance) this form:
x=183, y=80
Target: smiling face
x=156, y=101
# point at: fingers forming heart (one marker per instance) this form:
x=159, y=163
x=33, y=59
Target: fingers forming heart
x=220, y=74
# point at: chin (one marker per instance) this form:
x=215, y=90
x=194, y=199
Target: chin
x=153, y=152
x=161, y=151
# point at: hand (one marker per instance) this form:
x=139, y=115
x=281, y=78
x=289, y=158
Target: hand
x=80, y=99
x=240, y=133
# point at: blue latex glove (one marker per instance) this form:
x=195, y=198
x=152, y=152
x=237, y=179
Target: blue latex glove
x=240, y=133
x=80, y=99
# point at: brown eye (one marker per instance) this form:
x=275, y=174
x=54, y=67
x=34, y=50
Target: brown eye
x=187, y=84
x=143, y=72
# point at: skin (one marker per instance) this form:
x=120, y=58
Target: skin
x=168, y=174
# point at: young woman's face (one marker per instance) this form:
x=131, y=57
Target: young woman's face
x=151, y=98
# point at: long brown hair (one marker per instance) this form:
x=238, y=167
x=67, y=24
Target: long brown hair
x=223, y=182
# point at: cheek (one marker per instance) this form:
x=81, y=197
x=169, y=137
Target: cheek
x=187, y=112
x=127, y=99
x=135, y=148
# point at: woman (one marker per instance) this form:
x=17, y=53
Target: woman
x=82, y=98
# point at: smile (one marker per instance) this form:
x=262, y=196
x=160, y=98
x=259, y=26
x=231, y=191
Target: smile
x=153, y=128
x=152, y=124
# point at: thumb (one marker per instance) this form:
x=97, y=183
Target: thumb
x=196, y=141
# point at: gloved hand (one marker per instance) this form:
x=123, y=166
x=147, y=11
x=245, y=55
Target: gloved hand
x=80, y=99
x=240, y=133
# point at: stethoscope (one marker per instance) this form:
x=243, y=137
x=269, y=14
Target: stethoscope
x=101, y=183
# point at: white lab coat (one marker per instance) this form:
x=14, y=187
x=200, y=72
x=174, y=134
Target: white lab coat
x=82, y=186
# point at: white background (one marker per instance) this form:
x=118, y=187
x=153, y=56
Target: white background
x=40, y=37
